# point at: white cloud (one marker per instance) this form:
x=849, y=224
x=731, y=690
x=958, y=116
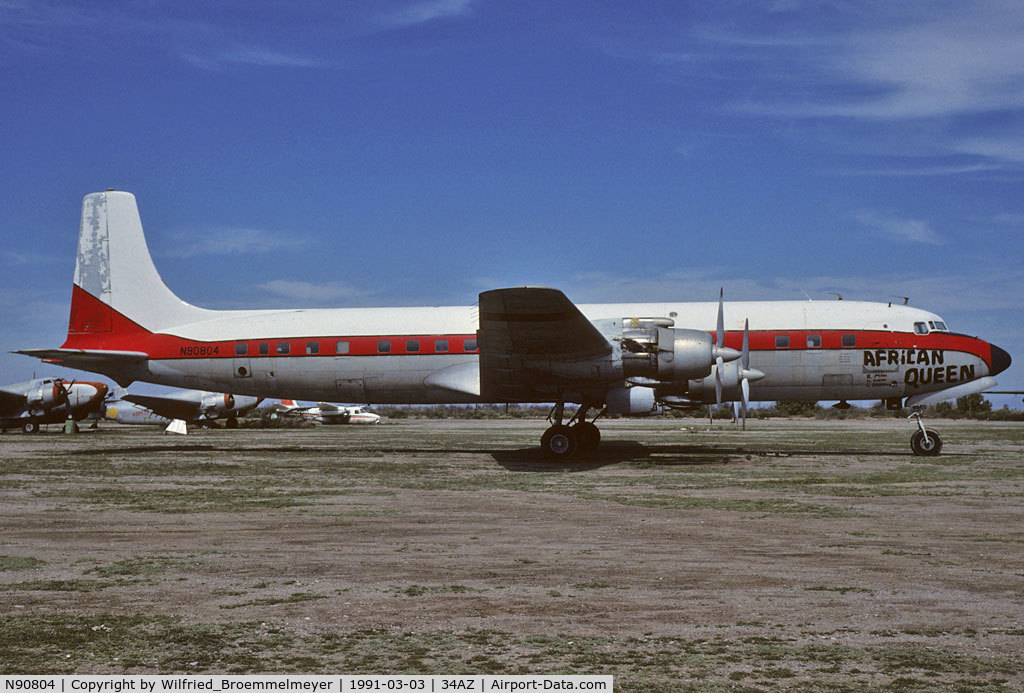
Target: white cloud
x=310, y=292
x=426, y=11
x=1008, y=148
x=251, y=56
x=899, y=229
x=225, y=241
x=903, y=171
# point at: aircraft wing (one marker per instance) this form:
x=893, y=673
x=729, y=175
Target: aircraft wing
x=167, y=407
x=328, y=408
x=11, y=401
x=530, y=338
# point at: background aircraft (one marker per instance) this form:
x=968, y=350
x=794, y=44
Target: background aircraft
x=47, y=400
x=519, y=345
x=326, y=413
x=191, y=406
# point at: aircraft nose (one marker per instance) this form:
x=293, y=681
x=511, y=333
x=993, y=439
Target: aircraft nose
x=1000, y=360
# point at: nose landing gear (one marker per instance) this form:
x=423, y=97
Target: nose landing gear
x=925, y=442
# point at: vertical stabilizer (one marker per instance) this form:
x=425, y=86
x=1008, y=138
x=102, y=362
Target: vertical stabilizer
x=114, y=271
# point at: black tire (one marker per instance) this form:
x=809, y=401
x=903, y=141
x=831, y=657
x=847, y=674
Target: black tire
x=930, y=449
x=232, y=423
x=588, y=436
x=559, y=442
x=30, y=427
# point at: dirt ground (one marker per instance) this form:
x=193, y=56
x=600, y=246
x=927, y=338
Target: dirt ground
x=811, y=555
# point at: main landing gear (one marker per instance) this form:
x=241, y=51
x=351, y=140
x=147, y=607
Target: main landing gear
x=578, y=435
x=925, y=442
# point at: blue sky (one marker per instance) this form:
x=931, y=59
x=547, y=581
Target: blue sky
x=411, y=153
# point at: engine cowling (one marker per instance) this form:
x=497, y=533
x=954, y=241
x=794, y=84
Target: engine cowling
x=218, y=404
x=630, y=401
x=48, y=395
x=667, y=354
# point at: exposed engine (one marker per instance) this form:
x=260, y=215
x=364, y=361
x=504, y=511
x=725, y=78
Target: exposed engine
x=654, y=350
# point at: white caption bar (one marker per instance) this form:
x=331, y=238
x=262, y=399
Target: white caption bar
x=302, y=684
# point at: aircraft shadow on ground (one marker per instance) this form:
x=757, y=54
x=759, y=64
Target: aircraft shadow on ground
x=610, y=453
x=533, y=460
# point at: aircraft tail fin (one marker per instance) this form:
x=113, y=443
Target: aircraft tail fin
x=117, y=287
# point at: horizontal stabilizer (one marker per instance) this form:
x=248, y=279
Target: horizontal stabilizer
x=124, y=367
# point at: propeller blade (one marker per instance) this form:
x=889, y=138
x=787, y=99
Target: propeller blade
x=745, y=353
x=719, y=364
x=745, y=388
x=720, y=332
x=735, y=412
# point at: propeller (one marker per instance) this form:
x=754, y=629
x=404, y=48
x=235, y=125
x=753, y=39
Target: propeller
x=65, y=391
x=719, y=343
x=746, y=373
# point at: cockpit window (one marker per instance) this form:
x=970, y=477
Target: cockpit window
x=920, y=328
x=940, y=326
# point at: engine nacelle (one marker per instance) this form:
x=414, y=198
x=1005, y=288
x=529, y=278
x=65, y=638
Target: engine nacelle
x=217, y=404
x=630, y=401
x=666, y=354
x=48, y=395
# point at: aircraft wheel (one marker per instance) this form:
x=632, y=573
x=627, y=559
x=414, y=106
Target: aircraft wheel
x=559, y=442
x=588, y=435
x=923, y=449
x=232, y=422
x=30, y=427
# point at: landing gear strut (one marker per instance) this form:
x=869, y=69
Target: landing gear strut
x=925, y=442
x=564, y=440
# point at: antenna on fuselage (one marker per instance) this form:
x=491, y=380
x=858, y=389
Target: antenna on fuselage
x=805, y=294
x=838, y=295
x=906, y=300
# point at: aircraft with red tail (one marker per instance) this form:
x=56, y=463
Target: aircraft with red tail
x=516, y=345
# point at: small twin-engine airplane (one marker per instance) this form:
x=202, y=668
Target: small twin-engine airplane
x=47, y=400
x=191, y=406
x=326, y=413
x=517, y=345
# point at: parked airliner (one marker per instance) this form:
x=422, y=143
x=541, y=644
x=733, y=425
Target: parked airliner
x=524, y=344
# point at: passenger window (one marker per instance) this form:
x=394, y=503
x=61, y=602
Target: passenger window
x=264, y=348
x=440, y=345
x=283, y=348
x=782, y=341
x=312, y=347
x=469, y=345
x=384, y=346
x=814, y=340
x=241, y=349
x=920, y=328
x=412, y=346
x=341, y=347
x=849, y=340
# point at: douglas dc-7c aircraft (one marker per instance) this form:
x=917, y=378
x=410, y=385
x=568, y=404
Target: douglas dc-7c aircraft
x=521, y=345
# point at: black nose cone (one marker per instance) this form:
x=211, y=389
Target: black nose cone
x=1000, y=360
